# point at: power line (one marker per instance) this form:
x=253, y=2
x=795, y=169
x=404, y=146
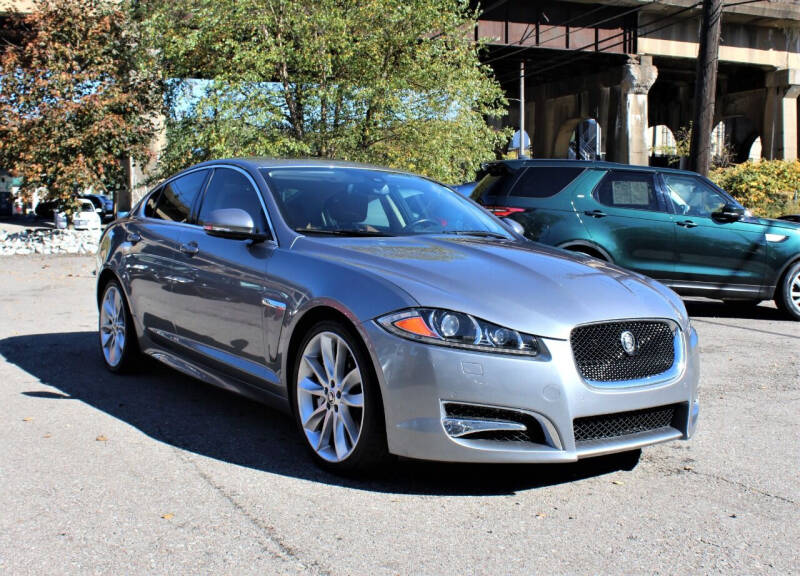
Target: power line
x=521, y=40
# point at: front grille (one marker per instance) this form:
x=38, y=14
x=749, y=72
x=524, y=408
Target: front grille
x=600, y=356
x=533, y=434
x=623, y=423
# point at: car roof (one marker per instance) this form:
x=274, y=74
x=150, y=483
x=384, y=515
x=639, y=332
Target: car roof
x=599, y=164
x=257, y=162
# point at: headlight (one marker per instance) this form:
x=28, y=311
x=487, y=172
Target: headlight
x=448, y=328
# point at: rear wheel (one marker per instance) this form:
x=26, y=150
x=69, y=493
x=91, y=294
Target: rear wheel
x=788, y=295
x=117, y=335
x=336, y=400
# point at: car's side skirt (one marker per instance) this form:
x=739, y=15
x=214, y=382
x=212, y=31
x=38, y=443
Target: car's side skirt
x=216, y=378
x=723, y=291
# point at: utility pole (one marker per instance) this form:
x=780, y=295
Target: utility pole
x=522, y=108
x=705, y=91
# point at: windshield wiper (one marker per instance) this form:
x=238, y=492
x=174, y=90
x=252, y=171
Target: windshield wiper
x=341, y=232
x=478, y=233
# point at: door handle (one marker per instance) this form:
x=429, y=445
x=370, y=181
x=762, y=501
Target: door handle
x=595, y=213
x=190, y=249
x=133, y=237
x=687, y=224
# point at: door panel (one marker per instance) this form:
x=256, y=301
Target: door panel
x=626, y=216
x=149, y=263
x=711, y=250
x=220, y=312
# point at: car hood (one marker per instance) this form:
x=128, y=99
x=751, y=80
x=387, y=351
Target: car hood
x=522, y=285
x=774, y=223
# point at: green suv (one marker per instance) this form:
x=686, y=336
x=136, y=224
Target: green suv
x=672, y=225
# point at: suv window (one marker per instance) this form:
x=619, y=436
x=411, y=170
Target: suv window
x=544, y=181
x=232, y=189
x=495, y=184
x=691, y=196
x=628, y=189
x=177, y=198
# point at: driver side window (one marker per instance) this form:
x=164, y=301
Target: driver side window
x=693, y=197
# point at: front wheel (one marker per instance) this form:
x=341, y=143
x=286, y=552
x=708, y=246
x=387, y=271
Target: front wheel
x=117, y=334
x=337, y=402
x=788, y=295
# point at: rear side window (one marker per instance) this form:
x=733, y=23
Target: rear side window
x=627, y=189
x=177, y=198
x=152, y=202
x=544, y=181
x=495, y=184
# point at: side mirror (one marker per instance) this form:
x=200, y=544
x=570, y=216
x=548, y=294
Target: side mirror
x=730, y=213
x=515, y=226
x=232, y=223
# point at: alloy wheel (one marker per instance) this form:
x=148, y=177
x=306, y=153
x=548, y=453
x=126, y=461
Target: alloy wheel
x=112, y=326
x=794, y=291
x=330, y=396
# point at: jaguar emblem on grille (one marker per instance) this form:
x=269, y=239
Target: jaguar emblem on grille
x=628, y=341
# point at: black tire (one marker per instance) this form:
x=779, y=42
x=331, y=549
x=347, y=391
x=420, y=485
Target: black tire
x=788, y=290
x=370, y=450
x=130, y=355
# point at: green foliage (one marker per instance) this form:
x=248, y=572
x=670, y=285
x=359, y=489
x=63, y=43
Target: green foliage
x=391, y=82
x=78, y=94
x=768, y=188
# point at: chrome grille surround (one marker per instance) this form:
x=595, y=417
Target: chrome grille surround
x=602, y=361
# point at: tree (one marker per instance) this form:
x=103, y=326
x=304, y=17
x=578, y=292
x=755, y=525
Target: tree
x=78, y=96
x=391, y=82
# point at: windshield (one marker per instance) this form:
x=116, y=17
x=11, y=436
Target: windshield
x=360, y=201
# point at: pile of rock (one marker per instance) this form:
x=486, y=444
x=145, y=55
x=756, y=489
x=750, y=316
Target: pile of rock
x=45, y=241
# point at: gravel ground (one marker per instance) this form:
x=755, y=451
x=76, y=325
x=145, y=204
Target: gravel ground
x=158, y=474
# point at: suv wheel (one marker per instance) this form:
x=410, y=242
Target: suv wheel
x=788, y=295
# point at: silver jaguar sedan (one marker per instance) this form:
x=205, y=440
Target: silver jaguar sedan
x=391, y=316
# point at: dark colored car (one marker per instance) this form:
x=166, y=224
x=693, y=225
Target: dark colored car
x=672, y=225
x=104, y=206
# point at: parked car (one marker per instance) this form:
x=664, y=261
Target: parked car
x=104, y=206
x=47, y=208
x=390, y=315
x=672, y=225
x=86, y=218
x=6, y=203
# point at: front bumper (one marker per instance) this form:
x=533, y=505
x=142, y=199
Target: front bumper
x=417, y=380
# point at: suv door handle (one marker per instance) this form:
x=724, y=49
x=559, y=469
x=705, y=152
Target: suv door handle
x=687, y=224
x=133, y=237
x=190, y=249
x=595, y=213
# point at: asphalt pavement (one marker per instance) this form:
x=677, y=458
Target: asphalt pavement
x=159, y=474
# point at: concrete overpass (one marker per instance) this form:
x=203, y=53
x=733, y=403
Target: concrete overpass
x=630, y=65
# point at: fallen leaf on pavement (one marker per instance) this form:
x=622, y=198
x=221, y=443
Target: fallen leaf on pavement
x=168, y=516
x=618, y=482
x=101, y=438
x=27, y=419
x=46, y=435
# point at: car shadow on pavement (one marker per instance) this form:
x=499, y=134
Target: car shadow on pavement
x=199, y=418
x=716, y=309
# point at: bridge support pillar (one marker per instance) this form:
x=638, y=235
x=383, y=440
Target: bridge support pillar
x=779, y=140
x=629, y=106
